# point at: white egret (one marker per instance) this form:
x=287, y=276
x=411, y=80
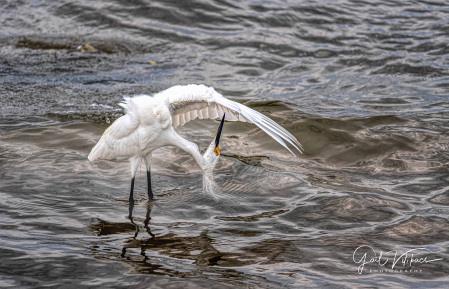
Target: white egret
x=150, y=122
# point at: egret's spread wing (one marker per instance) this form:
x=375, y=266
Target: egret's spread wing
x=192, y=101
x=120, y=140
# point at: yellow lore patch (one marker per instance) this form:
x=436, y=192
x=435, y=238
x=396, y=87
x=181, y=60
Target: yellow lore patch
x=216, y=150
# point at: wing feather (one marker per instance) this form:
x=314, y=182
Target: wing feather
x=175, y=120
x=205, y=112
x=192, y=101
x=213, y=112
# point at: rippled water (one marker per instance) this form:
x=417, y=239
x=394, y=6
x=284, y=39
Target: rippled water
x=363, y=85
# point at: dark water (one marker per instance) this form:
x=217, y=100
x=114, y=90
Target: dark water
x=363, y=85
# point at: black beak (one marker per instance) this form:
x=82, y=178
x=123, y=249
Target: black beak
x=217, y=138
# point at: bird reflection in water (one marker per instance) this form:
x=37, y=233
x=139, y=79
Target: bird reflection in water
x=171, y=244
x=134, y=242
x=178, y=256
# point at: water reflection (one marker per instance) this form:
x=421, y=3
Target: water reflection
x=134, y=243
x=186, y=256
x=279, y=223
x=199, y=249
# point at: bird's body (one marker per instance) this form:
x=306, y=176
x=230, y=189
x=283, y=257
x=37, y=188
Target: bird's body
x=150, y=121
x=146, y=126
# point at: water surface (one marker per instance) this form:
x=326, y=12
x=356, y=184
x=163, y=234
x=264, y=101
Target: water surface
x=362, y=85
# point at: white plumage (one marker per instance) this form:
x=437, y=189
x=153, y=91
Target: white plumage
x=149, y=123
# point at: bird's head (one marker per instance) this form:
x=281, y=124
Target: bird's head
x=212, y=153
x=211, y=157
x=217, y=137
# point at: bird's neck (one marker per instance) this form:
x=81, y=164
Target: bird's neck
x=207, y=163
x=192, y=149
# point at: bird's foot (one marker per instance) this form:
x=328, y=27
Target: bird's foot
x=131, y=208
x=150, y=195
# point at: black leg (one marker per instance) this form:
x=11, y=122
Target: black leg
x=131, y=208
x=150, y=191
x=130, y=216
x=147, y=220
x=131, y=193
